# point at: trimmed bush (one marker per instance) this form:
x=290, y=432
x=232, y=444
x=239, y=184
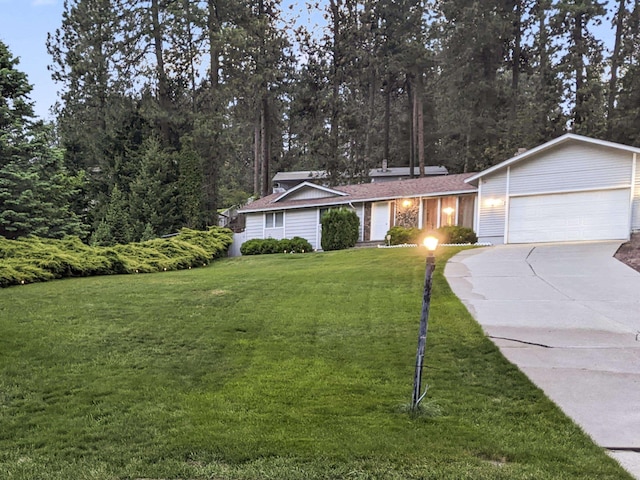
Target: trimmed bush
x=299, y=245
x=269, y=245
x=456, y=234
x=447, y=234
x=33, y=259
x=259, y=246
x=402, y=235
x=339, y=229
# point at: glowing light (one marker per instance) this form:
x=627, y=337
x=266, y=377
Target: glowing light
x=431, y=243
x=406, y=203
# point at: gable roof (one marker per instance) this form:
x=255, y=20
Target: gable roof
x=368, y=192
x=311, y=186
x=564, y=139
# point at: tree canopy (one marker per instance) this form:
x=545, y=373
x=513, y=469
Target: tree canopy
x=173, y=109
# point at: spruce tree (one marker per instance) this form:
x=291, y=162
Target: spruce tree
x=36, y=191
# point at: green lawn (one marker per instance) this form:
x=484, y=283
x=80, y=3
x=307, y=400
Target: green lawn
x=271, y=367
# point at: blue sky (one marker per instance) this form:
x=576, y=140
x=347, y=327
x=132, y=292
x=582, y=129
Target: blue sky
x=23, y=28
x=24, y=25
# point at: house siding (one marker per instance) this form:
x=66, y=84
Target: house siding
x=308, y=194
x=492, y=207
x=254, y=226
x=302, y=223
x=571, y=168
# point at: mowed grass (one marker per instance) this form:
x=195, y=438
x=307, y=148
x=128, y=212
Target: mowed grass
x=281, y=366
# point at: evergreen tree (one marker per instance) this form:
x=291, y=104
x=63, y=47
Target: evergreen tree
x=36, y=191
x=116, y=226
x=153, y=197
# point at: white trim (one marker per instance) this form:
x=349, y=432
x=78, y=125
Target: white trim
x=577, y=190
x=632, y=190
x=311, y=185
x=476, y=220
x=457, y=210
x=439, y=217
x=362, y=226
x=545, y=146
x=506, y=206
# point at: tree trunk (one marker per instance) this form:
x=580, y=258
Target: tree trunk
x=368, y=141
x=387, y=120
x=544, y=67
x=515, y=67
x=580, y=116
x=163, y=83
x=256, y=157
x=332, y=161
x=419, y=122
x=210, y=156
x=265, y=123
x=615, y=64
x=412, y=140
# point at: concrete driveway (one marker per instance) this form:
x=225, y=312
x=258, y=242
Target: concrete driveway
x=568, y=315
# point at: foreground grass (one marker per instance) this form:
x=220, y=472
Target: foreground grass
x=284, y=366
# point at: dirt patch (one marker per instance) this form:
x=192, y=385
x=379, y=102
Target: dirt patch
x=629, y=253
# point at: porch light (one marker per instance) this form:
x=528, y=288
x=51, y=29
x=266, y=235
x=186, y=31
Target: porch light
x=407, y=203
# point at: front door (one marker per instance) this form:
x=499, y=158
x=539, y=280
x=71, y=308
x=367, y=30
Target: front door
x=379, y=220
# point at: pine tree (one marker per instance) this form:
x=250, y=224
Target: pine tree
x=153, y=197
x=36, y=191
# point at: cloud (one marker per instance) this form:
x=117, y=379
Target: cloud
x=39, y=3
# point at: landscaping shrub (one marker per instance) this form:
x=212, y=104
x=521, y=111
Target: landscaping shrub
x=258, y=246
x=251, y=247
x=33, y=259
x=299, y=245
x=339, y=229
x=456, y=234
x=402, y=235
x=269, y=245
x=447, y=234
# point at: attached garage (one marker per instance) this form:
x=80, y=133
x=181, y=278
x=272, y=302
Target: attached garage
x=573, y=188
x=599, y=215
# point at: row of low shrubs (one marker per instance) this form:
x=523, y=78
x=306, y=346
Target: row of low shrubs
x=271, y=245
x=339, y=230
x=448, y=234
x=34, y=259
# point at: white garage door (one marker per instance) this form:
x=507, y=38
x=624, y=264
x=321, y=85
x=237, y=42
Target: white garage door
x=565, y=217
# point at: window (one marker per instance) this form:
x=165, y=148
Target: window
x=274, y=220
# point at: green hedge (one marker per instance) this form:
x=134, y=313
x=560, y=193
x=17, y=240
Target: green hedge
x=258, y=246
x=447, y=234
x=34, y=259
x=402, y=235
x=339, y=229
x=455, y=234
